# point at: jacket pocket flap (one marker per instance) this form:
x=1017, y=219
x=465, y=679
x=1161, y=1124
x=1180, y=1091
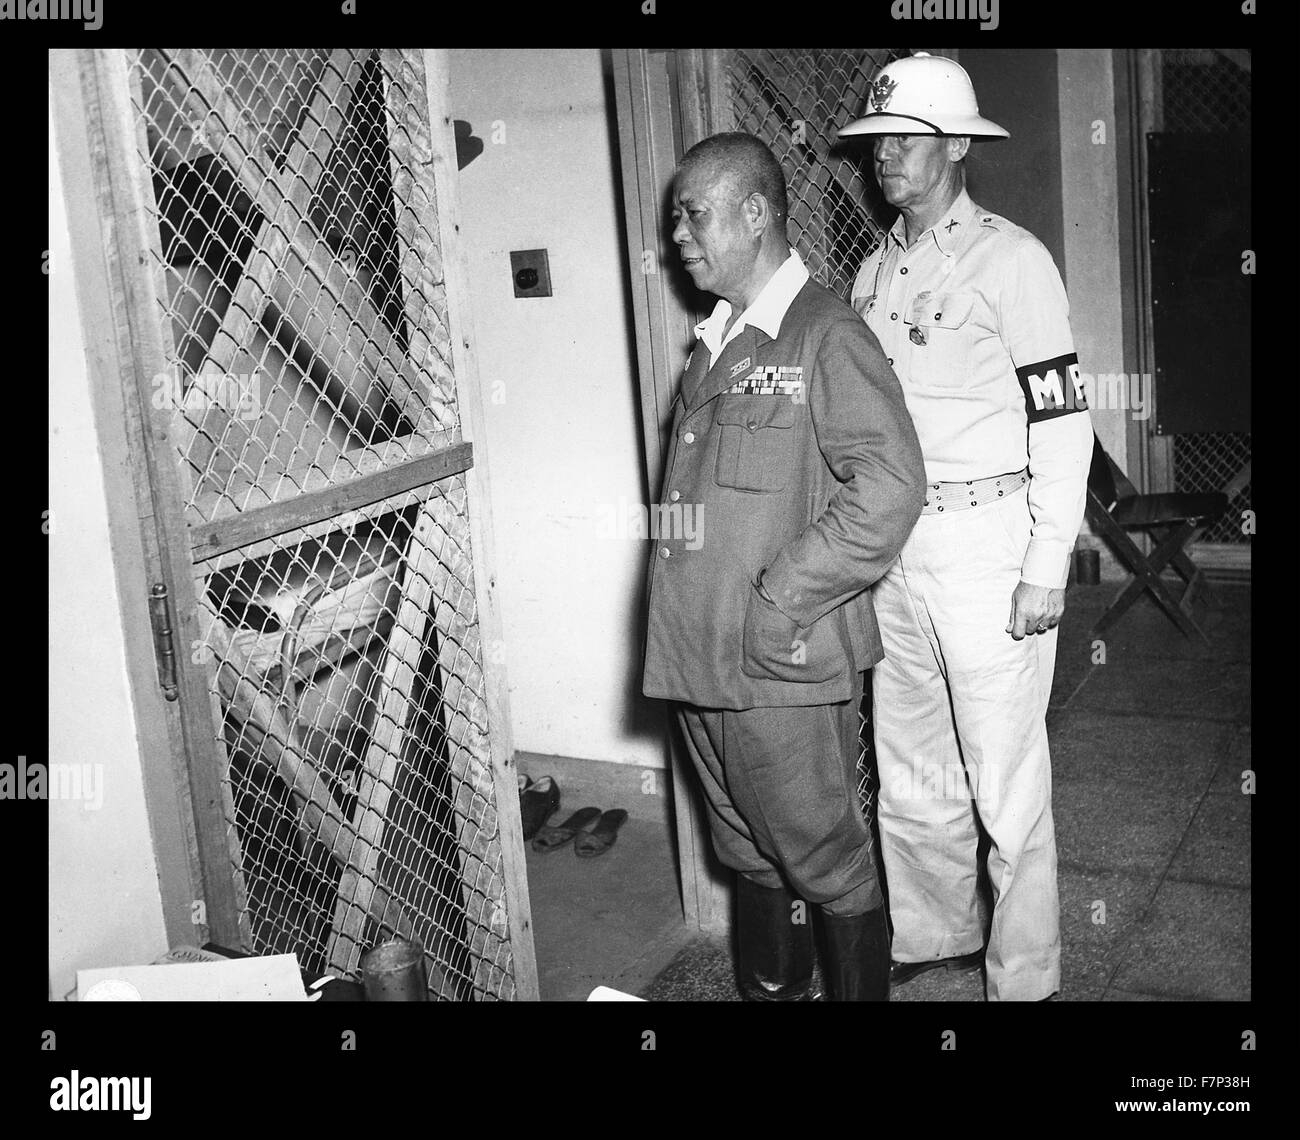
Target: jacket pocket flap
x=948, y=311
x=754, y=412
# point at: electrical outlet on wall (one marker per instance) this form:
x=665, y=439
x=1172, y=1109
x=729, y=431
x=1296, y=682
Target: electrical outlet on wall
x=531, y=272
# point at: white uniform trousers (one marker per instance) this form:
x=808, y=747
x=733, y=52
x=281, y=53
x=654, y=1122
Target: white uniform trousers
x=955, y=687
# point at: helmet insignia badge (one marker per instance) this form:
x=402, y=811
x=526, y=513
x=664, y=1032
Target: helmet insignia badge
x=881, y=92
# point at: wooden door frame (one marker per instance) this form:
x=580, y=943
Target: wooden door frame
x=667, y=100
x=1151, y=454
x=135, y=546
x=125, y=351
x=1150, y=457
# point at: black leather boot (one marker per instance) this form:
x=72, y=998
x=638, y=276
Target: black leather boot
x=776, y=953
x=857, y=956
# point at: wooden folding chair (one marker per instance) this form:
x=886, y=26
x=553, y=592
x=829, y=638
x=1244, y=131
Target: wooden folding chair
x=1114, y=508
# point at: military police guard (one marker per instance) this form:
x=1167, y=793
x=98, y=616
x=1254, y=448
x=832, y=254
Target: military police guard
x=972, y=314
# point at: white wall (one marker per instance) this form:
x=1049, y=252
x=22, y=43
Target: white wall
x=1090, y=205
x=105, y=906
x=560, y=396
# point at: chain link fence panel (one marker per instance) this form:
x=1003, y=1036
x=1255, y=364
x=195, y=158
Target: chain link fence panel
x=795, y=99
x=305, y=304
x=1206, y=461
x=299, y=274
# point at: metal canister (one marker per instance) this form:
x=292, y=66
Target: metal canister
x=394, y=971
x=1087, y=567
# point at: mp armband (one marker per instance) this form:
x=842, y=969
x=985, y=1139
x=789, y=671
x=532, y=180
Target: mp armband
x=1052, y=388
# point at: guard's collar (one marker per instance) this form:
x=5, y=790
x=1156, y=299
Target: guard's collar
x=947, y=231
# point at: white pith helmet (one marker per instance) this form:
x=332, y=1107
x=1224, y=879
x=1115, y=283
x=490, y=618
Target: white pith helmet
x=923, y=94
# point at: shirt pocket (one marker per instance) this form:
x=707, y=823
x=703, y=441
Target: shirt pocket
x=755, y=441
x=941, y=335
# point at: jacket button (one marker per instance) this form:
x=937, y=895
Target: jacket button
x=673, y=496
x=664, y=552
x=752, y=425
x=689, y=437
x=891, y=360
x=893, y=316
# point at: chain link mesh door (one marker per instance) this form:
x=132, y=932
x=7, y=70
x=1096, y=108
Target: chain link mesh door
x=298, y=272
x=795, y=99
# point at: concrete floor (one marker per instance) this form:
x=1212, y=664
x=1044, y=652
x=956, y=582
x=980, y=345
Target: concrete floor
x=1147, y=755
x=610, y=921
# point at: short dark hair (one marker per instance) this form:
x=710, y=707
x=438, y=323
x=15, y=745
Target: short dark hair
x=751, y=166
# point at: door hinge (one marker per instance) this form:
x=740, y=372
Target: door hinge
x=160, y=620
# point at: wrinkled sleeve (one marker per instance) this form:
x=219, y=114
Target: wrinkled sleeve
x=866, y=436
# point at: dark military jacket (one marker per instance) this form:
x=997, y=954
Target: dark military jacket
x=797, y=456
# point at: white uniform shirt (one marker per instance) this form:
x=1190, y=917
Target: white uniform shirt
x=975, y=321
x=766, y=312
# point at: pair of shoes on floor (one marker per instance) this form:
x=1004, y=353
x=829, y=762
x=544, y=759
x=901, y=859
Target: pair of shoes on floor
x=901, y=972
x=538, y=801
x=587, y=844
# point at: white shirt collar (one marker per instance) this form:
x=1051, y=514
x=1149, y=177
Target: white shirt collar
x=767, y=311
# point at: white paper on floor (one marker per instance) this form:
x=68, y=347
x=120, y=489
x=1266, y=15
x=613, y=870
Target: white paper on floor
x=271, y=978
x=604, y=993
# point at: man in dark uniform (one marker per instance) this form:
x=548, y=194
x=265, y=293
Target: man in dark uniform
x=792, y=443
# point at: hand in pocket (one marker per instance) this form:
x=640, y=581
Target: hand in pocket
x=776, y=649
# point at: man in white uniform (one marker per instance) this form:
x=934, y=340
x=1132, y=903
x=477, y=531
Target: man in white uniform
x=971, y=311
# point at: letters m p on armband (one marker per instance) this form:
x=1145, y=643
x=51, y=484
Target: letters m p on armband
x=1052, y=388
